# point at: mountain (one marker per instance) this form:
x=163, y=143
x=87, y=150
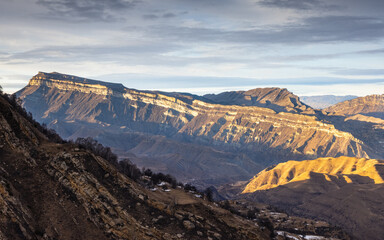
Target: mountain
x=191, y=137
x=363, y=118
x=344, y=191
x=54, y=190
x=278, y=99
x=349, y=170
x=324, y=101
x=50, y=189
x=372, y=105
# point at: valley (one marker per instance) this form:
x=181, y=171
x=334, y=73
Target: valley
x=318, y=164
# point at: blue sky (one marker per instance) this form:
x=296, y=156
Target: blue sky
x=311, y=47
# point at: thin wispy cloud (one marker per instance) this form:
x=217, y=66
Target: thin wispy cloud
x=202, y=39
x=361, y=72
x=295, y=4
x=92, y=10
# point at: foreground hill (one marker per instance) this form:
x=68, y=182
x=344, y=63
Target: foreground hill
x=210, y=142
x=324, y=101
x=345, y=191
x=56, y=191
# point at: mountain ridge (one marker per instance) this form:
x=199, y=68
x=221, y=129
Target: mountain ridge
x=43, y=78
x=278, y=99
x=294, y=171
x=54, y=190
x=371, y=105
x=324, y=101
x=255, y=134
x=346, y=191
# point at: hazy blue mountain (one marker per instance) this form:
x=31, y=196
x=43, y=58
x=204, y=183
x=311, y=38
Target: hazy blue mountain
x=324, y=101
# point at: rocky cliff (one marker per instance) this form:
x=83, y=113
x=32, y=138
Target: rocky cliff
x=344, y=191
x=344, y=169
x=58, y=191
x=254, y=136
x=363, y=118
x=372, y=105
x=278, y=99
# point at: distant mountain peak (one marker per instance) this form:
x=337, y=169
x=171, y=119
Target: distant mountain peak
x=324, y=101
x=371, y=105
x=278, y=99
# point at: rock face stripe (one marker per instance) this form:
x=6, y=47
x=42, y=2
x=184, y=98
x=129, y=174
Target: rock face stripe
x=240, y=126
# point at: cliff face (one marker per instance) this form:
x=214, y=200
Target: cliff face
x=363, y=117
x=56, y=191
x=372, y=105
x=343, y=169
x=345, y=191
x=68, y=83
x=259, y=135
x=278, y=99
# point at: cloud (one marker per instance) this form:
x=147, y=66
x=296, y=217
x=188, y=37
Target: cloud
x=270, y=39
x=294, y=4
x=98, y=52
x=312, y=57
x=311, y=30
x=352, y=7
x=361, y=72
x=372, y=51
x=169, y=15
x=6, y=85
x=153, y=16
x=86, y=10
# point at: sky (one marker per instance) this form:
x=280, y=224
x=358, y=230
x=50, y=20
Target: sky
x=310, y=47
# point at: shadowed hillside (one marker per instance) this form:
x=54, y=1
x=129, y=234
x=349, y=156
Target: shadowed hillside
x=372, y=105
x=54, y=190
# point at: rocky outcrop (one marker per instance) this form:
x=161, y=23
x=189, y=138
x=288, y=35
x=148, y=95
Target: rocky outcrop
x=344, y=169
x=255, y=136
x=70, y=83
x=58, y=191
x=278, y=99
x=372, y=105
x=347, y=192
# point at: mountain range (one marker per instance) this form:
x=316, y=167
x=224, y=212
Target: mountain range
x=318, y=163
x=324, y=101
x=53, y=189
x=211, y=139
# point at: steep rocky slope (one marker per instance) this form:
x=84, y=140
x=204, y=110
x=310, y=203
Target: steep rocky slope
x=324, y=101
x=253, y=136
x=350, y=170
x=56, y=191
x=372, y=105
x=344, y=191
x=278, y=99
